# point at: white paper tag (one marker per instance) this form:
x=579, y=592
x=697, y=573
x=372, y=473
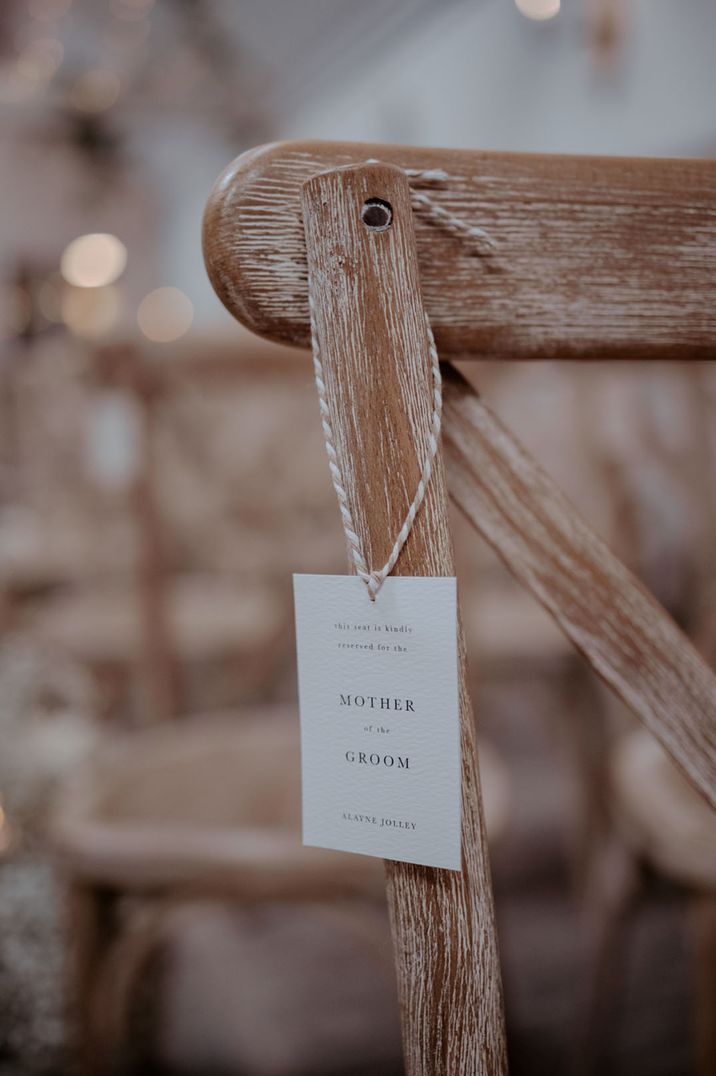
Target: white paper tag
x=380, y=732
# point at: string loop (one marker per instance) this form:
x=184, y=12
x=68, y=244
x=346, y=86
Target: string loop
x=372, y=577
x=375, y=577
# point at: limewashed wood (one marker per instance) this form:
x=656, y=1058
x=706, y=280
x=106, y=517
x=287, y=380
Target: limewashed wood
x=256, y=256
x=374, y=350
x=623, y=632
x=597, y=257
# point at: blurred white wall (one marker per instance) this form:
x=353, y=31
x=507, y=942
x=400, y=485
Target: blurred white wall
x=480, y=74
x=465, y=73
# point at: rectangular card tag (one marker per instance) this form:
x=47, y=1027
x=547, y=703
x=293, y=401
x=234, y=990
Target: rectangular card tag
x=380, y=730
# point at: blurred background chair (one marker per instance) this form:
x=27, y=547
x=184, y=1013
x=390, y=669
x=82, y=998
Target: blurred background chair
x=659, y=828
x=166, y=823
x=164, y=621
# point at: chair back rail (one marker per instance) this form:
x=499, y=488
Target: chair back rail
x=596, y=257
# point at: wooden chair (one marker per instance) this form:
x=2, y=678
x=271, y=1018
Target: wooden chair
x=202, y=810
x=593, y=258
x=208, y=622
x=34, y=563
x=661, y=827
x=145, y=631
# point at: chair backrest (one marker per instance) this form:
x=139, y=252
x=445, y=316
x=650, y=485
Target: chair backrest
x=517, y=257
x=595, y=257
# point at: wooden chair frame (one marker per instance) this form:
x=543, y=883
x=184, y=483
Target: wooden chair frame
x=596, y=258
x=147, y=381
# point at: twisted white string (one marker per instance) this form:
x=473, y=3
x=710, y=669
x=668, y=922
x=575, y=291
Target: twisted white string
x=483, y=241
x=374, y=578
x=421, y=202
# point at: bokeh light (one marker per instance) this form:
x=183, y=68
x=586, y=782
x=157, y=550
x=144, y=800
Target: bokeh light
x=48, y=10
x=39, y=60
x=49, y=298
x=539, y=9
x=165, y=314
x=96, y=90
x=94, y=260
x=91, y=313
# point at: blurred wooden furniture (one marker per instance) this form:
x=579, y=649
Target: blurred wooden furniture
x=278, y=989
x=207, y=808
x=195, y=809
x=145, y=634
x=205, y=621
x=34, y=562
x=542, y=294
x=662, y=827
x=659, y=814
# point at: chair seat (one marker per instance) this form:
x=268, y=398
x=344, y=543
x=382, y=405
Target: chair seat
x=208, y=802
x=660, y=813
x=34, y=557
x=208, y=618
x=214, y=801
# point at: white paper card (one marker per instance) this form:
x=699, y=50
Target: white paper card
x=380, y=734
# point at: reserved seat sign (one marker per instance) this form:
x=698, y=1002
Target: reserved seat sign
x=380, y=731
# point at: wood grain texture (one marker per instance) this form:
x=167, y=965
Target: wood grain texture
x=598, y=257
x=371, y=331
x=623, y=632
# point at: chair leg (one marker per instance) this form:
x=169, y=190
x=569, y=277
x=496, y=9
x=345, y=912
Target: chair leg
x=88, y=924
x=613, y=894
x=704, y=932
x=583, y=727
